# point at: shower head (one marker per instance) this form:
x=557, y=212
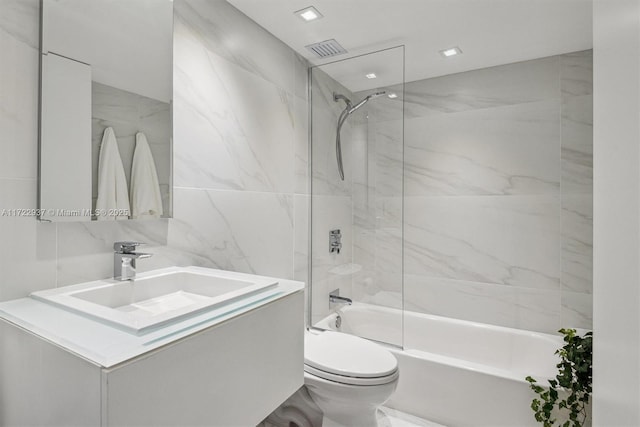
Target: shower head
x=377, y=94
x=365, y=100
x=349, y=109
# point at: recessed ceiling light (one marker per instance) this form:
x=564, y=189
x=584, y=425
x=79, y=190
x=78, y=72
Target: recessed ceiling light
x=371, y=76
x=392, y=95
x=309, y=13
x=452, y=51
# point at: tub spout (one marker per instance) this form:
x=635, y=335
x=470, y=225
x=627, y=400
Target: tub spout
x=339, y=299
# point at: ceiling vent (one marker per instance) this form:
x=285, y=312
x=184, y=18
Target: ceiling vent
x=326, y=48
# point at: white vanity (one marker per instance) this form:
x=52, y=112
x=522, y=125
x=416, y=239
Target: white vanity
x=177, y=346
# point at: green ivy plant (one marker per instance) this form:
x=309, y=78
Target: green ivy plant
x=573, y=383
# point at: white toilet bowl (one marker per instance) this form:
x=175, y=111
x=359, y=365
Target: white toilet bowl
x=348, y=378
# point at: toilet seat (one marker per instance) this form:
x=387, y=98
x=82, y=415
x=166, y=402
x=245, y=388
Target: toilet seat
x=350, y=380
x=348, y=359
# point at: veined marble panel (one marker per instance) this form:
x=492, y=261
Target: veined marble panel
x=364, y=206
x=506, y=150
x=235, y=230
x=577, y=310
x=301, y=145
x=576, y=73
x=325, y=176
x=364, y=281
x=324, y=116
x=385, y=108
x=330, y=213
x=377, y=213
x=577, y=189
x=512, y=240
x=229, y=33
x=17, y=194
x=330, y=271
x=538, y=310
x=301, y=206
x=19, y=21
x=323, y=87
x=19, y=40
x=389, y=212
x=510, y=84
x=113, y=104
x=362, y=151
x=389, y=250
x=479, y=302
x=85, y=249
x=301, y=75
x=577, y=243
x=523, y=308
x=233, y=130
x=28, y=255
x=577, y=144
x=28, y=264
x=385, y=289
x=374, y=212
x=301, y=244
x=386, y=141
x=364, y=286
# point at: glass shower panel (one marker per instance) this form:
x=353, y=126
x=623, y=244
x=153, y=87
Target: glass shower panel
x=365, y=265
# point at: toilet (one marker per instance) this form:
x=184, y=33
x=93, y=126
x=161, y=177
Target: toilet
x=348, y=377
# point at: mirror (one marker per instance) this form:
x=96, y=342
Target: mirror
x=105, y=144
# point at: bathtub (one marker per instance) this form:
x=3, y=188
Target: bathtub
x=456, y=372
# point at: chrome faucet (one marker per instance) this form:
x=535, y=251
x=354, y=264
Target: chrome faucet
x=334, y=297
x=124, y=260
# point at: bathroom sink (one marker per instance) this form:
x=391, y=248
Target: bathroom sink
x=157, y=297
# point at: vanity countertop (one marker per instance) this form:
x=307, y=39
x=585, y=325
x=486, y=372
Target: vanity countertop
x=107, y=346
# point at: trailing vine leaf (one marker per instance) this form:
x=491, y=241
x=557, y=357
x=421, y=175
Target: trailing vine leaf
x=574, y=379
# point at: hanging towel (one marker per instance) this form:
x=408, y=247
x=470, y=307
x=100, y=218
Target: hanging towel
x=113, y=196
x=146, y=200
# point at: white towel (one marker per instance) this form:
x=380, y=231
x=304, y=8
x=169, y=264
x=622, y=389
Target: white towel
x=113, y=196
x=146, y=200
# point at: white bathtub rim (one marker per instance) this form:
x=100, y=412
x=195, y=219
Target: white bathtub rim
x=328, y=324
x=456, y=362
x=471, y=366
x=470, y=323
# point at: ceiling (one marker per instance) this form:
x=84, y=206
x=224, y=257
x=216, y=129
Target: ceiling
x=489, y=32
x=127, y=43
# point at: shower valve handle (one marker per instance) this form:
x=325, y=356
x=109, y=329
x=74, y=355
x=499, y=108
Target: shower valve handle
x=335, y=243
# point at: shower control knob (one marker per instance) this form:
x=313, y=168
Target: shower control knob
x=335, y=241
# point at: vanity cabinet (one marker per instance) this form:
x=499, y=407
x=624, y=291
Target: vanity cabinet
x=233, y=373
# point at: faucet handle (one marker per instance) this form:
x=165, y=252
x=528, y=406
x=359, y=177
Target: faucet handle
x=126, y=247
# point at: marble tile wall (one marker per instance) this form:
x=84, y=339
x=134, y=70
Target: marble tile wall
x=498, y=194
x=377, y=202
x=367, y=206
x=240, y=144
x=129, y=113
x=576, y=86
x=28, y=260
x=240, y=158
x=332, y=197
x=501, y=230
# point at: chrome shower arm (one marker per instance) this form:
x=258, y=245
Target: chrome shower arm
x=349, y=109
x=341, y=120
x=337, y=96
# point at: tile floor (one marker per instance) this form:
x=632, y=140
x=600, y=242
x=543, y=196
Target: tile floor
x=388, y=417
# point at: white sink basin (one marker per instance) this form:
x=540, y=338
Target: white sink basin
x=157, y=297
